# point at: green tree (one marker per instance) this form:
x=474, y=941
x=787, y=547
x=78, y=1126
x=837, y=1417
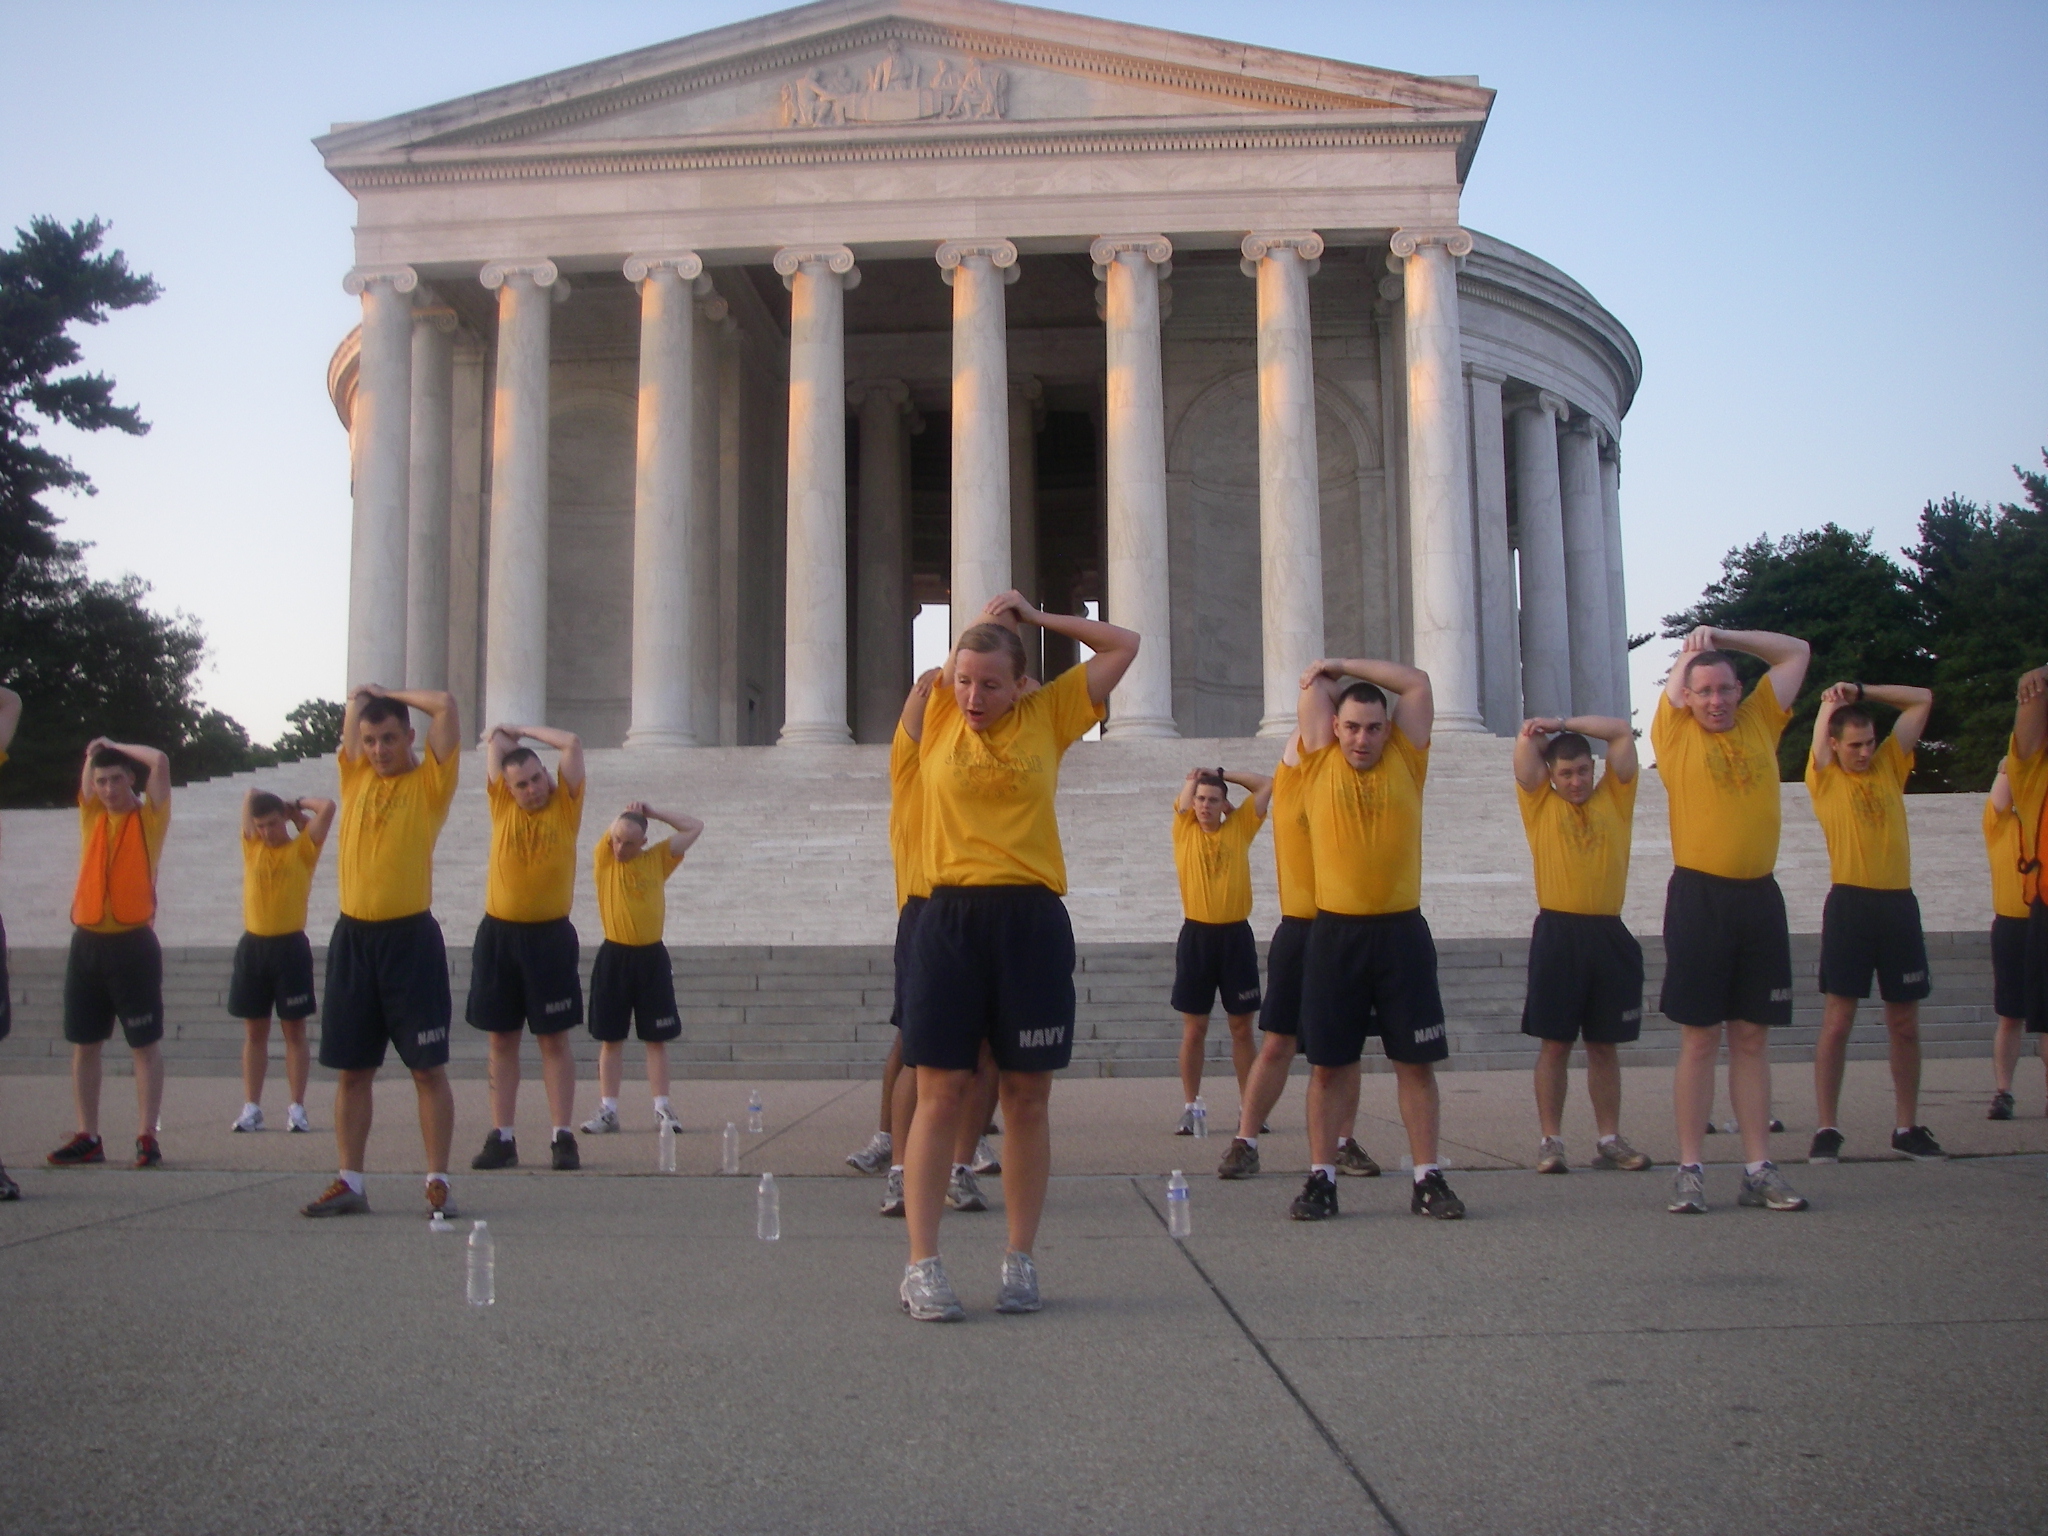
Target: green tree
x=312, y=729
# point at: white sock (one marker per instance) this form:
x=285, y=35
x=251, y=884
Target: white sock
x=252, y=1107
x=1250, y=1141
x=1423, y=1171
x=895, y=1167
x=1900, y=1130
x=1609, y=1140
x=1327, y=1170
x=1190, y=1106
x=1836, y=1129
x=610, y=1106
x=1343, y=1142
x=298, y=1106
x=352, y=1179
x=660, y=1104
x=1754, y=1168
x=558, y=1132
x=438, y=1178
x=505, y=1133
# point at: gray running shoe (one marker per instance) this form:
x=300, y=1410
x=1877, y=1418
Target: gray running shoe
x=985, y=1160
x=295, y=1117
x=338, y=1200
x=1689, y=1191
x=892, y=1194
x=2001, y=1107
x=963, y=1193
x=1186, y=1127
x=1240, y=1162
x=250, y=1119
x=1617, y=1153
x=1550, y=1156
x=668, y=1117
x=927, y=1294
x=1352, y=1159
x=604, y=1123
x=1768, y=1189
x=874, y=1157
x=1019, y=1291
x=440, y=1200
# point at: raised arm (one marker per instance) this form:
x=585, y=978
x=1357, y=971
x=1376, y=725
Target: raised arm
x=497, y=741
x=1530, y=740
x=2001, y=794
x=1414, y=700
x=915, y=702
x=687, y=828
x=1185, y=800
x=1785, y=655
x=10, y=716
x=1620, y=737
x=1115, y=648
x=158, y=785
x=248, y=820
x=444, y=723
x=316, y=817
x=2030, y=719
x=570, y=768
x=1315, y=709
x=1257, y=785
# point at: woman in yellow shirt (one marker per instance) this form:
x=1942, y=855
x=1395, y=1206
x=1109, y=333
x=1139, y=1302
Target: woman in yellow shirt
x=994, y=952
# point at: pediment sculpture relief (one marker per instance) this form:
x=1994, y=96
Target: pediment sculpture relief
x=897, y=89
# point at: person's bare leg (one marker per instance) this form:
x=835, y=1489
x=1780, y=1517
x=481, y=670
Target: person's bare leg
x=1332, y=1101
x=2005, y=1052
x=981, y=1104
x=85, y=1087
x=1749, y=1087
x=255, y=1058
x=149, y=1088
x=1830, y=1053
x=1902, y=1024
x=353, y=1104
x=1265, y=1083
x=1421, y=1108
x=1553, y=1058
x=1692, y=1086
x=611, y=1067
x=1194, y=1041
x=902, y=1110
x=942, y=1096
x=1027, y=1153
x=437, y=1115
x=891, y=1070
x=504, y=1071
x=657, y=1069
x=558, y=1073
x=1244, y=1050
x=298, y=1060
x=1603, y=1087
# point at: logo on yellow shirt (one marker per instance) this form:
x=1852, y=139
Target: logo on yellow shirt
x=1366, y=794
x=1583, y=835
x=1731, y=766
x=1868, y=805
x=983, y=772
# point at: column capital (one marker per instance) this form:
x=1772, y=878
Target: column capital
x=1260, y=243
x=402, y=279
x=889, y=391
x=1406, y=242
x=1541, y=400
x=687, y=265
x=542, y=272
x=1485, y=374
x=835, y=258
x=438, y=317
x=1156, y=249
x=1586, y=426
x=1002, y=255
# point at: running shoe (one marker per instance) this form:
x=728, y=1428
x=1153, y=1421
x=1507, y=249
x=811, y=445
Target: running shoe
x=892, y=1194
x=250, y=1119
x=9, y=1190
x=563, y=1152
x=1919, y=1144
x=499, y=1152
x=874, y=1157
x=1433, y=1197
x=1019, y=1289
x=1777, y=1125
x=1616, y=1153
x=440, y=1200
x=985, y=1161
x=1187, y=1123
x=1352, y=1159
x=669, y=1118
x=78, y=1151
x=295, y=1118
x=1689, y=1191
x=1240, y=1162
x=963, y=1193
x=927, y=1294
x=2001, y=1107
x=1317, y=1200
x=604, y=1123
x=147, y=1153
x=1827, y=1146
x=1550, y=1156
x=338, y=1200
x=1767, y=1189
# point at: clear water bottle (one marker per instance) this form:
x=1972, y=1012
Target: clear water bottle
x=1201, y=1116
x=754, y=1125
x=768, y=1211
x=483, y=1266
x=729, y=1149
x=1178, y=1222
x=665, y=1146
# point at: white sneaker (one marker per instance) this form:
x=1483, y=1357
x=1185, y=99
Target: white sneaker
x=250, y=1119
x=604, y=1122
x=874, y=1157
x=667, y=1117
x=295, y=1118
x=985, y=1160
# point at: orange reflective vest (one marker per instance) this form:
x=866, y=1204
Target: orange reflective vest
x=119, y=886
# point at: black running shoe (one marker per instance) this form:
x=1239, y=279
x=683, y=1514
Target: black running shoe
x=499, y=1152
x=9, y=1190
x=1919, y=1144
x=1827, y=1146
x=2001, y=1107
x=563, y=1150
x=1317, y=1200
x=78, y=1151
x=147, y=1153
x=1433, y=1197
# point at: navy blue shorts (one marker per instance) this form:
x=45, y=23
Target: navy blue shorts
x=1371, y=975
x=1280, y=1013
x=1727, y=951
x=1212, y=960
x=112, y=977
x=2009, y=967
x=524, y=974
x=991, y=963
x=273, y=974
x=906, y=939
x=1865, y=933
x=633, y=985
x=387, y=985
x=1585, y=976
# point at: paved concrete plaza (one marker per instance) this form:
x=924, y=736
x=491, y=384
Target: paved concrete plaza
x=188, y=1355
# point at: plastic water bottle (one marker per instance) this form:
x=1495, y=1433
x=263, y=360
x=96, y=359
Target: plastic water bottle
x=729, y=1150
x=1178, y=1222
x=754, y=1125
x=768, y=1211
x=483, y=1266
x=1201, y=1116
x=665, y=1146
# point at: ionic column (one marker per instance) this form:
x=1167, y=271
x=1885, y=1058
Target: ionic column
x=1585, y=566
x=881, y=660
x=516, y=655
x=1617, y=587
x=431, y=485
x=380, y=447
x=1136, y=579
x=814, y=602
x=1442, y=564
x=1027, y=415
x=1500, y=661
x=977, y=271
x=664, y=488
x=706, y=630
x=1290, y=482
x=1539, y=508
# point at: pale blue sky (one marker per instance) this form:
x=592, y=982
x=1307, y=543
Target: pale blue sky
x=1823, y=223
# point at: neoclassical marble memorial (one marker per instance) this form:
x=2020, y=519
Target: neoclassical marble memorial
x=685, y=377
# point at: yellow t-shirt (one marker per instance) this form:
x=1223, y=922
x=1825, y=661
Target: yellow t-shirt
x=1293, y=859
x=1215, y=868
x=906, y=818
x=1581, y=851
x=2029, y=779
x=387, y=833
x=1864, y=817
x=1366, y=828
x=1723, y=786
x=988, y=796
x=2002, y=848
x=631, y=901
x=275, y=885
x=156, y=821
x=533, y=855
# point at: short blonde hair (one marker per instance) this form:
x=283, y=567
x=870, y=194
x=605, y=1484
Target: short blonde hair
x=988, y=639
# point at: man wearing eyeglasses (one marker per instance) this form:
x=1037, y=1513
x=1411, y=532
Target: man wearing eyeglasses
x=1728, y=950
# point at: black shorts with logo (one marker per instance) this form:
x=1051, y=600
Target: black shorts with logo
x=1585, y=976
x=1280, y=1013
x=1865, y=932
x=387, y=984
x=2009, y=967
x=1213, y=959
x=1371, y=975
x=1727, y=950
x=994, y=963
x=273, y=973
x=906, y=944
x=114, y=977
x=525, y=974
x=633, y=984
